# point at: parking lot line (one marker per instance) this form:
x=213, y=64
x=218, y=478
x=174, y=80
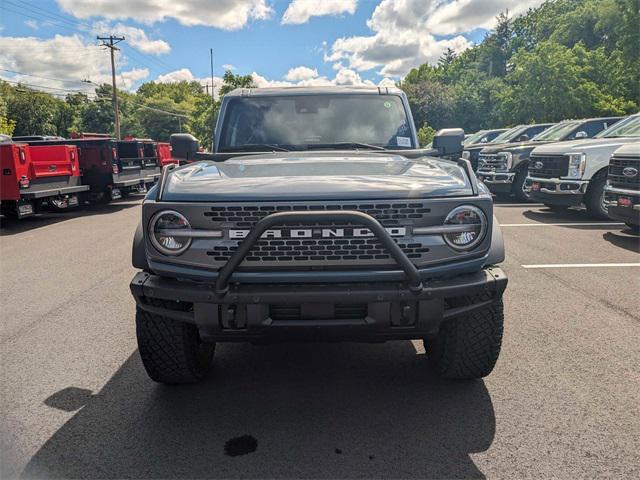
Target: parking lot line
x=582, y=265
x=563, y=224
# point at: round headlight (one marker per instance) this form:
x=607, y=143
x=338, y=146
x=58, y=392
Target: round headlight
x=164, y=232
x=468, y=216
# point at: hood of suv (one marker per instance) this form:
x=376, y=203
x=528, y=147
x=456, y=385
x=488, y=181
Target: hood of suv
x=314, y=176
x=586, y=145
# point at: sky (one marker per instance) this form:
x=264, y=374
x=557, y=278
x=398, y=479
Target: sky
x=52, y=43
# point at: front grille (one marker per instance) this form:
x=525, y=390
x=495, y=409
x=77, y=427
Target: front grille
x=616, y=176
x=491, y=161
x=549, y=166
x=292, y=312
x=388, y=214
x=318, y=250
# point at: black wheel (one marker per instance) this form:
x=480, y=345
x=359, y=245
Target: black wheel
x=517, y=187
x=468, y=346
x=172, y=352
x=594, y=199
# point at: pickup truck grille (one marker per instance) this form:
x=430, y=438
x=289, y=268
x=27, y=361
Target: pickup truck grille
x=616, y=175
x=388, y=214
x=549, y=166
x=491, y=162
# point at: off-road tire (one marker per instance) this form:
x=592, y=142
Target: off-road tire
x=467, y=347
x=594, y=197
x=171, y=351
x=518, y=185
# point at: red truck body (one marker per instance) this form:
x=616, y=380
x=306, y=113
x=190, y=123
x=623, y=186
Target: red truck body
x=109, y=168
x=164, y=154
x=35, y=176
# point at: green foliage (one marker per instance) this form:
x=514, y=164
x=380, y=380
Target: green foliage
x=564, y=59
x=426, y=134
x=232, y=81
x=155, y=111
x=6, y=125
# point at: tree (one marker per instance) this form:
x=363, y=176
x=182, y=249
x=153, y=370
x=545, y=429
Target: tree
x=426, y=134
x=233, y=81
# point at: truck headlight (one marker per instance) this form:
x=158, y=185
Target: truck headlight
x=164, y=232
x=466, y=155
x=577, y=162
x=507, y=159
x=474, y=222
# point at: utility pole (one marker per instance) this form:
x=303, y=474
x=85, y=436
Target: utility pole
x=213, y=101
x=113, y=40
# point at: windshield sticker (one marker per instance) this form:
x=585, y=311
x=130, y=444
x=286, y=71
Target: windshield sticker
x=387, y=104
x=403, y=141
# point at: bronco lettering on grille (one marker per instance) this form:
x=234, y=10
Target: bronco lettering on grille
x=319, y=233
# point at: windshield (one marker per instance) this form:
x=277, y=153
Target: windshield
x=629, y=127
x=509, y=135
x=557, y=132
x=315, y=121
x=474, y=137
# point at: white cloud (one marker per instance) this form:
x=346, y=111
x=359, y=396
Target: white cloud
x=404, y=32
x=300, y=11
x=228, y=66
x=223, y=14
x=343, y=77
x=136, y=37
x=184, y=74
x=69, y=59
x=301, y=73
x=32, y=24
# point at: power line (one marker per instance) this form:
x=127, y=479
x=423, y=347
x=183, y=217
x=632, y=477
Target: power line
x=31, y=85
x=44, y=78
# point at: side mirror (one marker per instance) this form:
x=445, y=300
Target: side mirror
x=448, y=141
x=581, y=134
x=523, y=138
x=184, y=146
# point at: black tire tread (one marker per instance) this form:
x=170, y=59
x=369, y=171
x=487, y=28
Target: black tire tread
x=171, y=351
x=592, y=197
x=467, y=347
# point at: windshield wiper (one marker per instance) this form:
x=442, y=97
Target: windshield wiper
x=345, y=145
x=250, y=147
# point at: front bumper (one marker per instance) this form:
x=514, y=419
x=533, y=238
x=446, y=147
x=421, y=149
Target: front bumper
x=382, y=311
x=623, y=205
x=556, y=191
x=497, y=182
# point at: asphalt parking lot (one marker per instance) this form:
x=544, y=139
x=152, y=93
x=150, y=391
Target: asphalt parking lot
x=563, y=401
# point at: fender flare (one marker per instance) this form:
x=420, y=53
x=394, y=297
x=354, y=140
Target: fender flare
x=138, y=252
x=496, y=251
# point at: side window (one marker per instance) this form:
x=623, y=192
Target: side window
x=591, y=128
x=533, y=131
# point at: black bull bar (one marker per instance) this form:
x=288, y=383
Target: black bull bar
x=414, y=281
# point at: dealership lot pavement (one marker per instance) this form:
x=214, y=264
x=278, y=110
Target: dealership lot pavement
x=564, y=400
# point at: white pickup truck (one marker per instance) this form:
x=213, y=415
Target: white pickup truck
x=568, y=174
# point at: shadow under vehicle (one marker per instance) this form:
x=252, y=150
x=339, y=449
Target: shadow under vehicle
x=330, y=410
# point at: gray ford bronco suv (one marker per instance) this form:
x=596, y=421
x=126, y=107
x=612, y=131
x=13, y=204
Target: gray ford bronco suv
x=318, y=217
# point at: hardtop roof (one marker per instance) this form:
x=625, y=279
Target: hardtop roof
x=333, y=90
